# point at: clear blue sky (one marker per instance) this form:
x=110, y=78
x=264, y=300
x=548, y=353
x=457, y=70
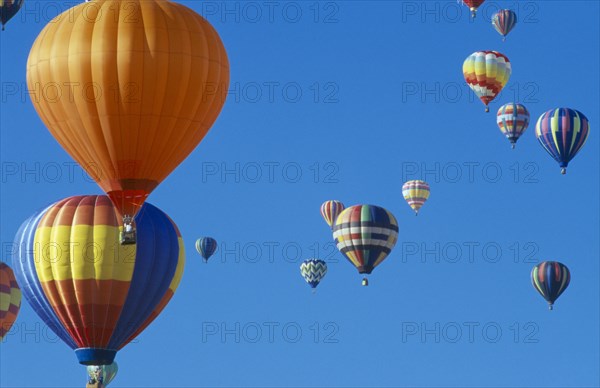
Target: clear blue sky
x=356, y=97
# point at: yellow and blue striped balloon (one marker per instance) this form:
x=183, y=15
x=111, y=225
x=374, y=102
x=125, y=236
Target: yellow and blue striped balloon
x=562, y=132
x=94, y=293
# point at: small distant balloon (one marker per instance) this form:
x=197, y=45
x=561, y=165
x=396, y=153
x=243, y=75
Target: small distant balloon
x=513, y=120
x=504, y=21
x=206, y=247
x=10, y=299
x=365, y=235
x=562, y=132
x=8, y=9
x=416, y=192
x=473, y=5
x=486, y=73
x=313, y=271
x=330, y=210
x=550, y=279
x=102, y=373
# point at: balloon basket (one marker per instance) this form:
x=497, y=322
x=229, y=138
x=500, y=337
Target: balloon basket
x=550, y=307
x=128, y=237
x=365, y=282
x=563, y=171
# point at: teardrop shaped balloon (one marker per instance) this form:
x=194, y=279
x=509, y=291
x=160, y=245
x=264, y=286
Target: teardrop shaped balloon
x=473, y=5
x=550, y=279
x=206, y=247
x=562, y=132
x=504, y=21
x=10, y=299
x=416, y=192
x=94, y=293
x=8, y=9
x=486, y=73
x=330, y=210
x=365, y=234
x=513, y=120
x=313, y=271
x=130, y=89
x=103, y=373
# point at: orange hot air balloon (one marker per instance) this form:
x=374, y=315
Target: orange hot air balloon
x=128, y=89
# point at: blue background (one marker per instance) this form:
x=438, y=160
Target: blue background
x=363, y=96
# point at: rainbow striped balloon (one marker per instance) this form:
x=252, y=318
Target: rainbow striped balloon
x=550, y=279
x=365, y=234
x=562, y=132
x=486, y=73
x=504, y=21
x=10, y=299
x=96, y=294
x=330, y=210
x=416, y=192
x=513, y=120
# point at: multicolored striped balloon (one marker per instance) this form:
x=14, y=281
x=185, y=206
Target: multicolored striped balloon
x=365, y=234
x=486, y=73
x=330, y=210
x=96, y=294
x=206, y=247
x=8, y=9
x=550, y=279
x=416, y=192
x=504, y=21
x=313, y=271
x=102, y=373
x=562, y=132
x=10, y=299
x=473, y=5
x=513, y=120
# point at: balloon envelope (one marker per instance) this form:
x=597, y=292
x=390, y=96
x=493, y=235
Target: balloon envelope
x=416, y=192
x=562, y=132
x=8, y=9
x=206, y=247
x=513, y=120
x=486, y=73
x=504, y=21
x=10, y=299
x=330, y=210
x=313, y=271
x=139, y=90
x=365, y=234
x=473, y=5
x=94, y=293
x=550, y=279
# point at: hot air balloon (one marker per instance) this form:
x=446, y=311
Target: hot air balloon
x=504, y=21
x=365, y=234
x=8, y=9
x=513, y=120
x=473, y=5
x=486, y=73
x=10, y=299
x=102, y=373
x=139, y=91
x=330, y=210
x=415, y=192
x=206, y=246
x=94, y=293
x=550, y=279
x=313, y=271
x=562, y=132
